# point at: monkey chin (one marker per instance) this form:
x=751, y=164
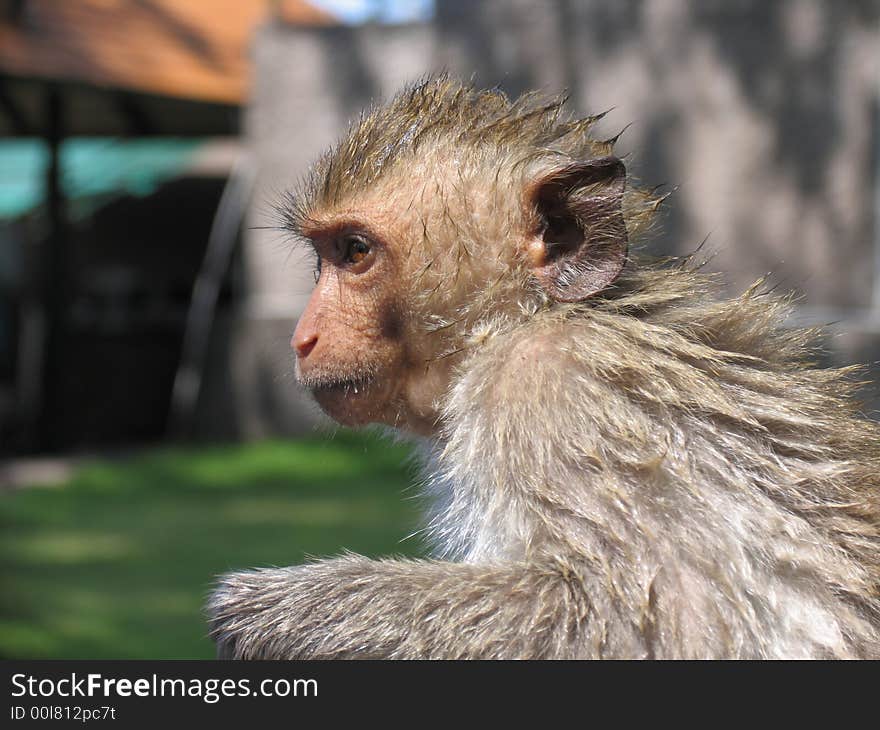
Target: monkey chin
x=350, y=403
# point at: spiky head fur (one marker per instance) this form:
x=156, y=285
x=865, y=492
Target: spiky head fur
x=465, y=159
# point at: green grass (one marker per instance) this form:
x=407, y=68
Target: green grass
x=117, y=561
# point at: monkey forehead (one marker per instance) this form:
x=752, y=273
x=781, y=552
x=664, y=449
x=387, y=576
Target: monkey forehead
x=430, y=190
x=417, y=207
x=384, y=214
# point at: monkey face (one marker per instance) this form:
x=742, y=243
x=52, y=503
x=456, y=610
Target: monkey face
x=408, y=267
x=349, y=342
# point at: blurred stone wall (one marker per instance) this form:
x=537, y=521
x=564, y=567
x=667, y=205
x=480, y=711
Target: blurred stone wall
x=765, y=115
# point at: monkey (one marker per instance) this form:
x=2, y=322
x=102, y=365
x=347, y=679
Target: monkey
x=622, y=462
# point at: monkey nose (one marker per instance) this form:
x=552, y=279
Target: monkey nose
x=304, y=344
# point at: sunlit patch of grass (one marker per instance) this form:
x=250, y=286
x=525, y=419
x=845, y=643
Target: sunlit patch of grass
x=117, y=561
x=71, y=548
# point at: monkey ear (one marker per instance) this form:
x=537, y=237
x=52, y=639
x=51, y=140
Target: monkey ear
x=581, y=244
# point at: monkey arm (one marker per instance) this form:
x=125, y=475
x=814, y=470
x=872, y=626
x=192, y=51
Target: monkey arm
x=352, y=607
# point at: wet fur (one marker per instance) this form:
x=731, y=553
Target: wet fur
x=656, y=472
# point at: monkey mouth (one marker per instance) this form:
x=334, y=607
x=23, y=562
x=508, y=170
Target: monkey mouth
x=335, y=386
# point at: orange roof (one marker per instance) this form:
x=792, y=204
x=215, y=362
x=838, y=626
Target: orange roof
x=195, y=50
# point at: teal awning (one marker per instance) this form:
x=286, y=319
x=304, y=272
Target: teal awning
x=90, y=169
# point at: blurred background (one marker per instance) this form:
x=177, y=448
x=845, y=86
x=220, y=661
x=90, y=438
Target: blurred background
x=151, y=432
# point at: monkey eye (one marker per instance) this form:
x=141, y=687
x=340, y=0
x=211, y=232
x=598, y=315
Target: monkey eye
x=355, y=248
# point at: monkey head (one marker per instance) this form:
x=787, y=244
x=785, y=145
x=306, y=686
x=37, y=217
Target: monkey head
x=443, y=210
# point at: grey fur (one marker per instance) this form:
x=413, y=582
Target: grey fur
x=689, y=501
x=653, y=473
